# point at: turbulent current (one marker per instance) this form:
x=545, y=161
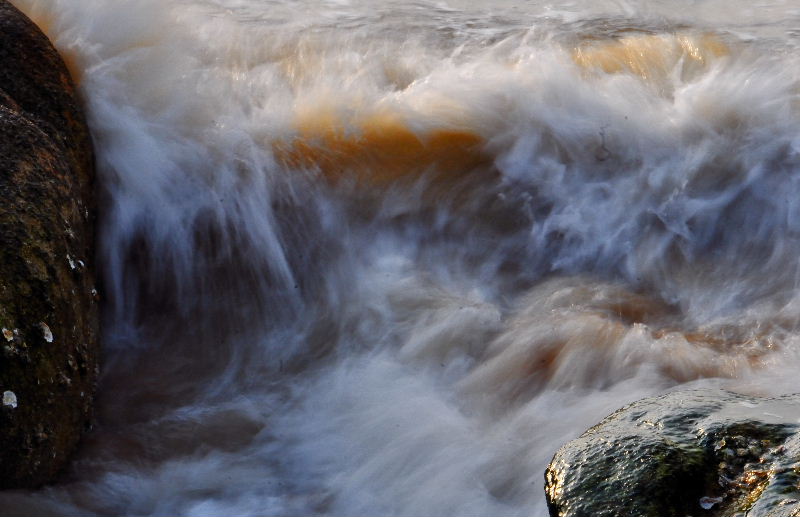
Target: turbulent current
x=385, y=257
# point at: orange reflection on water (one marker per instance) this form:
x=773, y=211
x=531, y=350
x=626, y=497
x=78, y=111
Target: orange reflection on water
x=379, y=148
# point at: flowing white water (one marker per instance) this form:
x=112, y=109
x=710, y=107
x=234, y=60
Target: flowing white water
x=384, y=258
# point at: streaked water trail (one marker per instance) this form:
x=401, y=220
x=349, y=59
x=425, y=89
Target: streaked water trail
x=384, y=258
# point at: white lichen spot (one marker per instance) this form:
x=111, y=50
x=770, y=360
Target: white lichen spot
x=708, y=502
x=48, y=336
x=9, y=399
x=8, y=334
x=71, y=262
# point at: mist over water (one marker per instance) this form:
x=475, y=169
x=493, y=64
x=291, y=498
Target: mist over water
x=384, y=258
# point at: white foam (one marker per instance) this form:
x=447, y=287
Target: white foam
x=280, y=343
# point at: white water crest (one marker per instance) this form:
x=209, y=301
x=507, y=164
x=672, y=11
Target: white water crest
x=386, y=257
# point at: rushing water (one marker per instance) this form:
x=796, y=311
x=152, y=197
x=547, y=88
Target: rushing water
x=385, y=257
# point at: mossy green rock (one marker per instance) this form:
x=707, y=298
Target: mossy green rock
x=48, y=314
x=688, y=453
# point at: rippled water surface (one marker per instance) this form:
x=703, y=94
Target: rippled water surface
x=385, y=257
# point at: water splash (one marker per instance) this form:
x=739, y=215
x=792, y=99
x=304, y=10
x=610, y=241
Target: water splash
x=380, y=258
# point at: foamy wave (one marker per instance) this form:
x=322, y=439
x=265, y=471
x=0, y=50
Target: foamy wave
x=384, y=258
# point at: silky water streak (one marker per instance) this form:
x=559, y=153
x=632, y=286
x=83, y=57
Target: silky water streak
x=385, y=257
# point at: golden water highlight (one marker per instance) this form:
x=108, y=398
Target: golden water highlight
x=578, y=333
x=380, y=147
x=651, y=57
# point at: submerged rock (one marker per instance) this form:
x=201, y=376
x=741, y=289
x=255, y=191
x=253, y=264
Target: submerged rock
x=688, y=453
x=49, y=351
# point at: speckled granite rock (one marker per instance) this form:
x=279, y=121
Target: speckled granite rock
x=689, y=453
x=48, y=314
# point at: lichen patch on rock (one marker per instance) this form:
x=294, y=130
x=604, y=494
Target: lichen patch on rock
x=10, y=399
x=46, y=332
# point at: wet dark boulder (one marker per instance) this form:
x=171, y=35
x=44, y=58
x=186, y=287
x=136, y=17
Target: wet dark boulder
x=48, y=314
x=688, y=453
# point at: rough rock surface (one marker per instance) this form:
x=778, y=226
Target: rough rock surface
x=688, y=453
x=48, y=314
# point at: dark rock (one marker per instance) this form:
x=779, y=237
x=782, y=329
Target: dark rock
x=48, y=346
x=689, y=453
